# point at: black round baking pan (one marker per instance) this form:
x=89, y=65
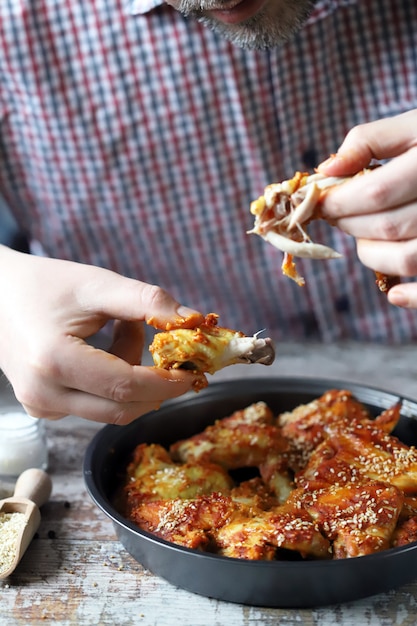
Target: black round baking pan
x=282, y=584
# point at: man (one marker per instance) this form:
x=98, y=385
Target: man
x=134, y=139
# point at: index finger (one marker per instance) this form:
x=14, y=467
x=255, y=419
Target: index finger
x=94, y=371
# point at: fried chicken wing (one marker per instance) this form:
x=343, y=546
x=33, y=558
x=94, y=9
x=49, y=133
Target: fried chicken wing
x=283, y=213
x=357, y=519
x=153, y=475
x=259, y=537
x=247, y=438
x=240, y=440
x=186, y=522
x=208, y=348
x=359, y=451
x=225, y=526
x=306, y=426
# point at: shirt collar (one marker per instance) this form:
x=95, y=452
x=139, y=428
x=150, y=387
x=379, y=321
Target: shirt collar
x=322, y=9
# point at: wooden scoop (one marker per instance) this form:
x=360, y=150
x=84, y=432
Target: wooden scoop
x=32, y=490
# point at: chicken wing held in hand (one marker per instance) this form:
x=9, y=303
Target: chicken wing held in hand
x=284, y=211
x=208, y=348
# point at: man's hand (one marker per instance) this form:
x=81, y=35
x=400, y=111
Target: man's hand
x=50, y=307
x=380, y=209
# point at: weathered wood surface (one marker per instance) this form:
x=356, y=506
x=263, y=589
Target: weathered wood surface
x=76, y=572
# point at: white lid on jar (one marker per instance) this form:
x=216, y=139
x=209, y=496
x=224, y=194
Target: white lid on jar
x=17, y=423
x=22, y=442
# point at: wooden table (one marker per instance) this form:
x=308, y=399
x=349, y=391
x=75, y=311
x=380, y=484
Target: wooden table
x=76, y=572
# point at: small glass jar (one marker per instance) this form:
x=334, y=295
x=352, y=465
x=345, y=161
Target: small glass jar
x=23, y=442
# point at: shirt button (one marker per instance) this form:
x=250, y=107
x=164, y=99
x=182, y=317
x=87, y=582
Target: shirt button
x=309, y=323
x=309, y=158
x=342, y=304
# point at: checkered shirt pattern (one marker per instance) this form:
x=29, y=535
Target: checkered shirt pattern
x=135, y=139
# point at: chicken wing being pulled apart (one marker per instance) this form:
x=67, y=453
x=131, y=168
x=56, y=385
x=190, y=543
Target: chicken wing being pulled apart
x=208, y=348
x=285, y=209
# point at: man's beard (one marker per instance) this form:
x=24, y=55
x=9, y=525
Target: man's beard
x=263, y=30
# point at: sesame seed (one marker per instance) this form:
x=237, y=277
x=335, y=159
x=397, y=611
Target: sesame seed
x=11, y=527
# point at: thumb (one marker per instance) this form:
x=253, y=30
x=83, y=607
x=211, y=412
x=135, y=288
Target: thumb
x=346, y=162
x=118, y=297
x=378, y=140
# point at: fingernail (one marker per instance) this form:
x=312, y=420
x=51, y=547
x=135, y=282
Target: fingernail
x=398, y=297
x=184, y=311
x=328, y=161
x=186, y=318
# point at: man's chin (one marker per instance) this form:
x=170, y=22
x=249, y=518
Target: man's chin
x=257, y=33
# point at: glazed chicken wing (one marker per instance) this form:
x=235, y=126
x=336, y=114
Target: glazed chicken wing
x=358, y=519
x=208, y=348
x=220, y=524
x=260, y=537
x=284, y=211
x=186, y=522
x=247, y=438
x=240, y=440
x=358, y=452
x=307, y=425
x=153, y=475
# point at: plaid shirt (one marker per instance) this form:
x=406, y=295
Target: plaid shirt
x=135, y=139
